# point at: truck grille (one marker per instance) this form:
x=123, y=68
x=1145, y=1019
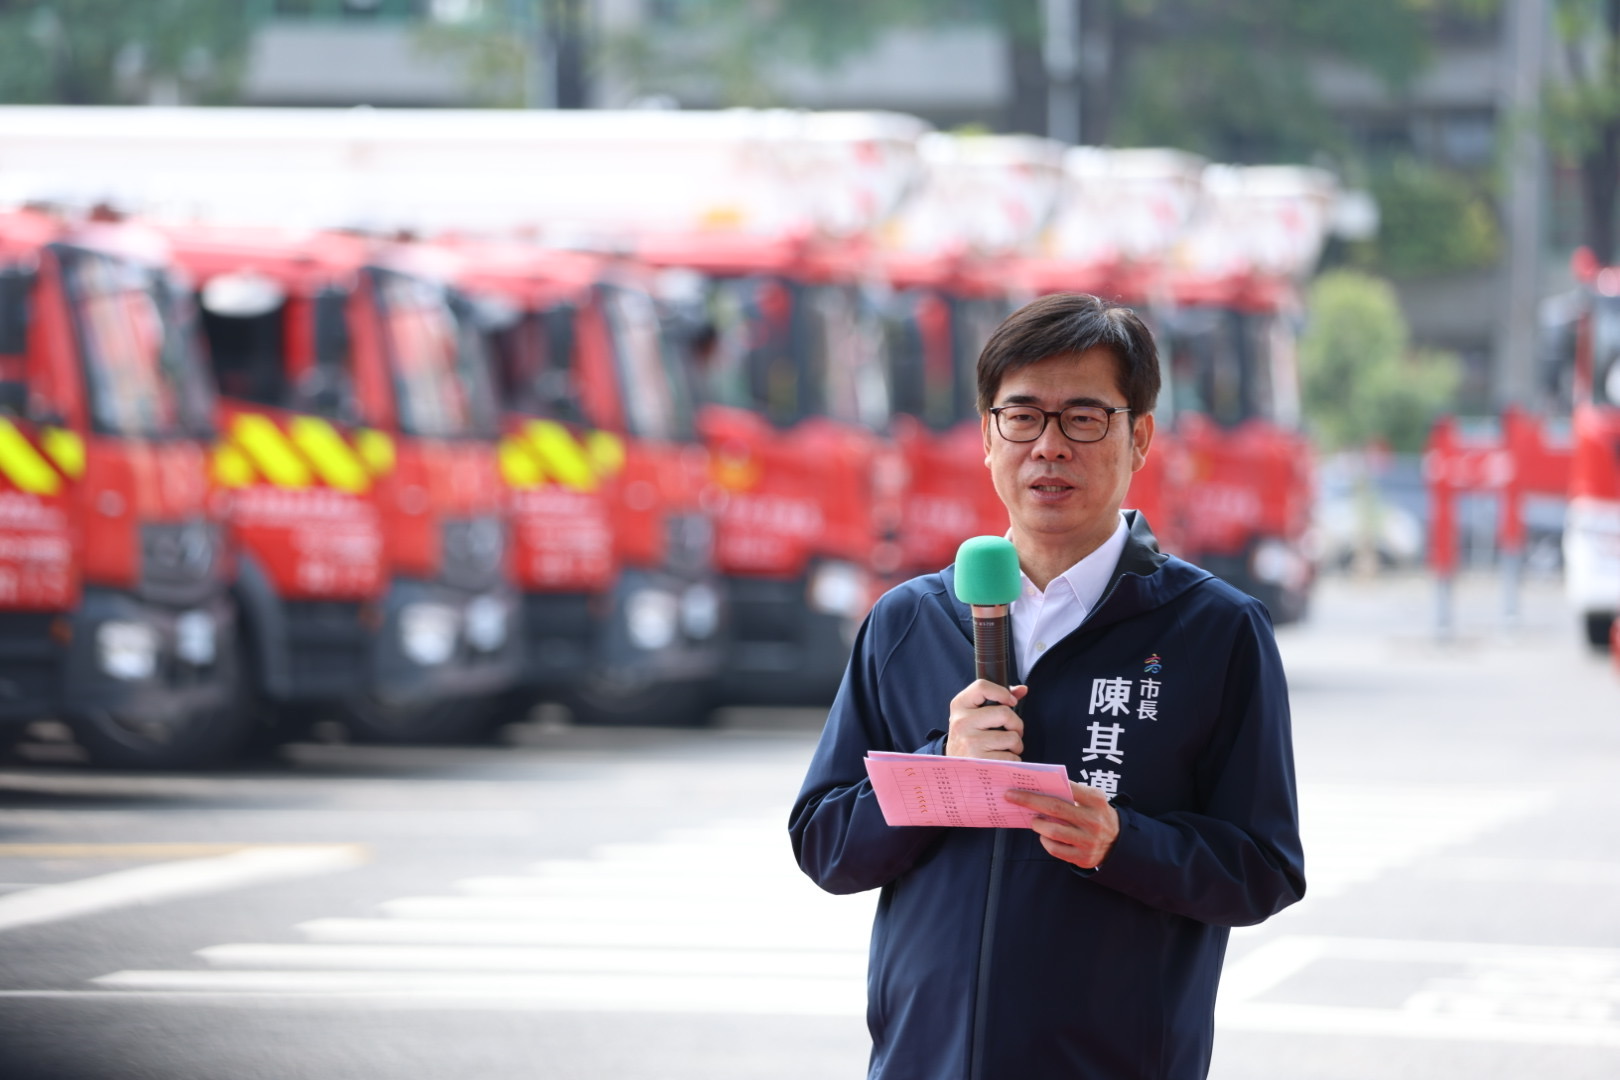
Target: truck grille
x=178, y=561
x=473, y=551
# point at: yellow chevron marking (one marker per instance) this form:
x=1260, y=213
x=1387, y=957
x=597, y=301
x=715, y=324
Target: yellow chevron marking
x=519, y=466
x=332, y=457
x=377, y=450
x=270, y=451
x=24, y=466
x=606, y=451
x=66, y=449
x=564, y=459
x=232, y=468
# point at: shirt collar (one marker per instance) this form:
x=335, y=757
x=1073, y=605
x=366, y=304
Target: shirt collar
x=1089, y=577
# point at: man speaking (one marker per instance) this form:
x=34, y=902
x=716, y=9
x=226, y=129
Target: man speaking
x=1090, y=945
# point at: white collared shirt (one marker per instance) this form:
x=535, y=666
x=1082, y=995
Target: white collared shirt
x=1042, y=619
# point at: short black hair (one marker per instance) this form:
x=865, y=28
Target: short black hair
x=1068, y=324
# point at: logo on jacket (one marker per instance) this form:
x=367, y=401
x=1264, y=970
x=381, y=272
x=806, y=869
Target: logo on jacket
x=1153, y=665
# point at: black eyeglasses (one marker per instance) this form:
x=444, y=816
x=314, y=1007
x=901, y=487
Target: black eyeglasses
x=1079, y=423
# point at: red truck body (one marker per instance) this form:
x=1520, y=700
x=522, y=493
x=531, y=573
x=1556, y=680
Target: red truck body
x=607, y=482
x=795, y=405
x=359, y=452
x=114, y=614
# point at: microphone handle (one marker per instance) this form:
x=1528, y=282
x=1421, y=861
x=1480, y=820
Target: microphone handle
x=992, y=644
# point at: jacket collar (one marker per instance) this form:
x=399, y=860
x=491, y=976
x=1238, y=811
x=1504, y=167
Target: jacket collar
x=1137, y=579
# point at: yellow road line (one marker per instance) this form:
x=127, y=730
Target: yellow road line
x=142, y=851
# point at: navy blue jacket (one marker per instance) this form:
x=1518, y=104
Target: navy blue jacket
x=991, y=958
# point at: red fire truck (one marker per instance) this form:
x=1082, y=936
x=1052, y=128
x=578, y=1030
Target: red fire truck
x=1119, y=218
x=1591, y=332
x=114, y=612
x=358, y=433
x=1236, y=313
x=950, y=259
x=614, y=550
x=765, y=219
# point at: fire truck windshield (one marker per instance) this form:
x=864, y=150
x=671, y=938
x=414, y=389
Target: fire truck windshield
x=795, y=351
x=1606, y=351
x=656, y=403
x=932, y=344
x=135, y=359
x=440, y=369
x=16, y=285
x=1222, y=365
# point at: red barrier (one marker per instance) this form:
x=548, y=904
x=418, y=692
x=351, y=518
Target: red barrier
x=1520, y=458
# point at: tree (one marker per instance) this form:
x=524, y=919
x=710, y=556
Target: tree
x=1431, y=221
x=518, y=52
x=1581, y=112
x=1361, y=382
x=106, y=52
x=1228, y=78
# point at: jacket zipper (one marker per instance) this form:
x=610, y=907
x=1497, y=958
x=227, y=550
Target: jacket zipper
x=981, y=992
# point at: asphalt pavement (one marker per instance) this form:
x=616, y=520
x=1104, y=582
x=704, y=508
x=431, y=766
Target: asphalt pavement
x=602, y=903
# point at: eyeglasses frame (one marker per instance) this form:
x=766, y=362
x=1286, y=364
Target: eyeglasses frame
x=1046, y=418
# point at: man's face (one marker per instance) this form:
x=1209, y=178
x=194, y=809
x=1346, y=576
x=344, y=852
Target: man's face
x=1060, y=492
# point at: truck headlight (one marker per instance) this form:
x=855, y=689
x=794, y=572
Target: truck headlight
x=195, y=638
x=650, y=617
x=837, y=588
x=427, y=633
x=700, y=611
x=486, y=623
x=127, y=650
x=1275, y=563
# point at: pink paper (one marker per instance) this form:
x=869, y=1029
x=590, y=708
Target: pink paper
x=926, y=789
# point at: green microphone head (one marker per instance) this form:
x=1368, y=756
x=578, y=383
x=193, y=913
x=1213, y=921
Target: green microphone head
x=987, y=571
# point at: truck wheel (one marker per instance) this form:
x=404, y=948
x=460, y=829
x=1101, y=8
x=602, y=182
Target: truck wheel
x=1598, y=624
x=433, y=723
x=603, y=701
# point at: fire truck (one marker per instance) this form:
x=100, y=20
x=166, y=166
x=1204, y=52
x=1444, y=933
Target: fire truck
x=1236, y=314
x=758, y=224
x=114, y=610
x=767, y=209
x=1590, y=356
x=949, y=258
x=796, y=400
x=606, y=479
x=358, y=427
x=1119, y=218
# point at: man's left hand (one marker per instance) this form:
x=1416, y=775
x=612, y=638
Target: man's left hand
x=1081, y=832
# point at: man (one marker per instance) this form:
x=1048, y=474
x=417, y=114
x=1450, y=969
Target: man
x=1089, y=946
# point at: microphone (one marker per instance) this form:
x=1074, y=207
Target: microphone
x=987, y=581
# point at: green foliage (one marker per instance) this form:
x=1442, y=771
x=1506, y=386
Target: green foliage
x=494, y=52
x=1431, y=222
x=1243, y=88
x=105, y=52
x=1584, y=99
x=1580, y=111
x=1360, y=380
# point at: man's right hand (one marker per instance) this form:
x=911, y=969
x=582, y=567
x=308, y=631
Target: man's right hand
x=983, y=723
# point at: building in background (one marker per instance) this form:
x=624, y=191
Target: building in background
x=1451, y=120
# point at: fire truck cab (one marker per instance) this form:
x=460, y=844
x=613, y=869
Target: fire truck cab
x=950, y=260
x=606, y=479
x=114, y=611
x=1233, y=328
x=358, y=427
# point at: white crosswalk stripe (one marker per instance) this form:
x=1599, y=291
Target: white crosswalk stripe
x=711, y=920
x=708, y=920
